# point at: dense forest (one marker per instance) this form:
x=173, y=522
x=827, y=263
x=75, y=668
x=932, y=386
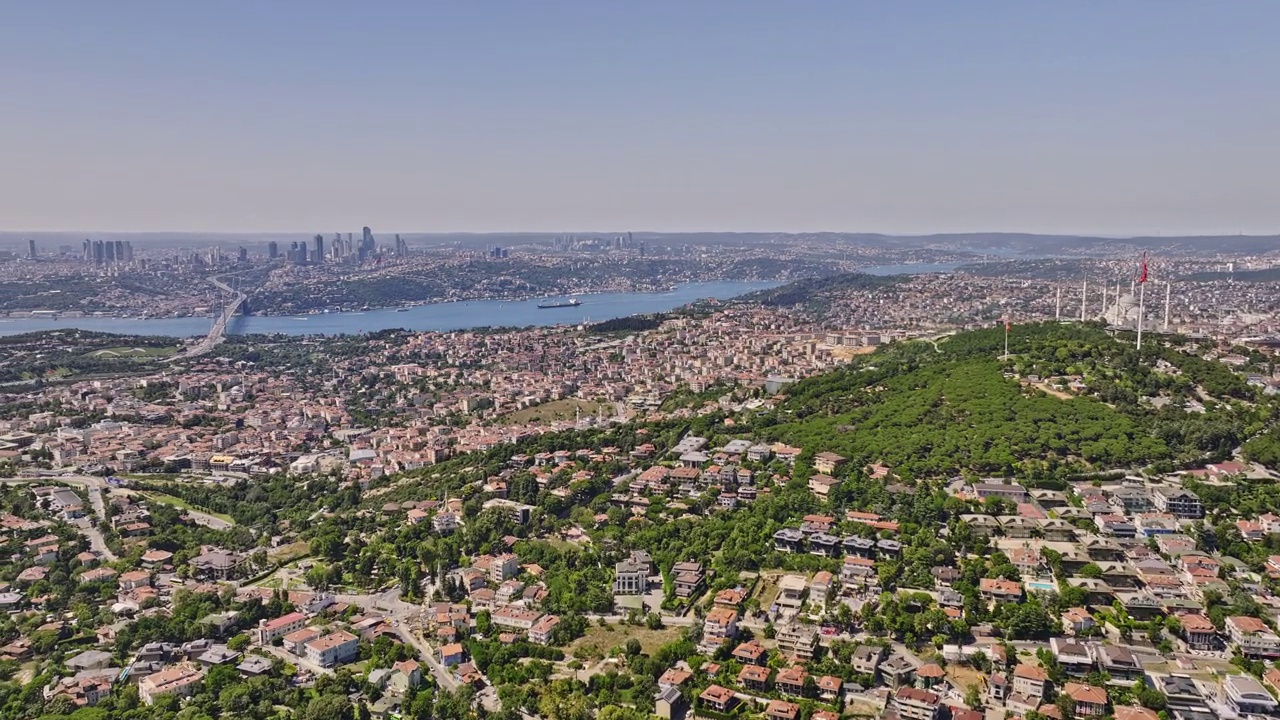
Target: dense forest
x=961, y=408
x=631, y=324
x=812, y=290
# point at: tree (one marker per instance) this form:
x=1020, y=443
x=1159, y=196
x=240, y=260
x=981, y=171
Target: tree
x=328, y=707
x=972, y=697
x=1066, y=706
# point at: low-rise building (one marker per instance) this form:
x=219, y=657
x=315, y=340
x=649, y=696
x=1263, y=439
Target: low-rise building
x=269, y=630
x=333, y=649
x=1252, y=636
x=916, y=704
x=180, y=680
x=1247, y=696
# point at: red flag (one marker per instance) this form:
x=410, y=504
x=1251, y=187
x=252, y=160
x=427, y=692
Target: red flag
x=1006, y=325
x=1143, y=277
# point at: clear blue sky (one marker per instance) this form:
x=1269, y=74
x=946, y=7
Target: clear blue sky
x=1123, y=116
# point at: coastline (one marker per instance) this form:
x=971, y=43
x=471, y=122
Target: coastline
x=448, y=315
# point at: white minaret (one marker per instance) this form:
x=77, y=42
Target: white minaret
x=1084, y=298
x=1057, y=310
x=1168, y=292
x=1104, y=301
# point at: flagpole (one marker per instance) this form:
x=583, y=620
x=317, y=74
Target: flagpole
x=1142, y=287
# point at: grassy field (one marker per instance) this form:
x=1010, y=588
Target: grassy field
x=604, y=639
x=766, y=590
x=555, y=410
x=288, y=553
x=184, y=505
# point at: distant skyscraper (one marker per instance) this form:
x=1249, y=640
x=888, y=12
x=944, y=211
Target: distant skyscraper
x=99, y=252
x=31, y=249
x=273, y=250
x=367, y=240
x=119, y=251
x=128, y=251
x=111, y=252
x=319, y=248
x=88, y=250
x=242, y=255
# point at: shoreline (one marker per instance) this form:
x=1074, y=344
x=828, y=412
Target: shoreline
x=443, y=316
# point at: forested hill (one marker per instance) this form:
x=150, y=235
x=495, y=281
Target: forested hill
x=960, y=408
x=812, y=290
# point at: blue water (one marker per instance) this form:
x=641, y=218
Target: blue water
x=437, y=316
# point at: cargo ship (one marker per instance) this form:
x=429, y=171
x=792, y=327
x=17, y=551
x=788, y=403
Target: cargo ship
x=572, y=302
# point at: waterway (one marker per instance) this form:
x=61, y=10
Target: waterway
x=435, y=316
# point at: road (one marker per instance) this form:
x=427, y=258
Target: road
x=407, y=619
x=97, y=543
x=93, y=487
x=219, y=329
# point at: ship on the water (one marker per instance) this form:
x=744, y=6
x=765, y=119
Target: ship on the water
x=571, y=302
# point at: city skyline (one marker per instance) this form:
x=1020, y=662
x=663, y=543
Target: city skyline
x=918, y=118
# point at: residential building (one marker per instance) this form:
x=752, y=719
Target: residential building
x=1252, y=636
x=1075, y=657
x=828, y=462
x=866, y=659
x=782, y=710
x=180, y=680
x=1119, y=662
x=689, y=578
x=719, y=626
x=820, y=587
x=797, y=640
x=269, y=630
x=755, y=678
x=791, y=680
x=916, y=704
x=542, y=630
x=503, y=567
x=452, y=654
x=717, y=698
x=515, y=617
x=1011, y=492
x=1247, y=696
x=668, y=703
x=1179, y=502
x=333, y=649
x=630, y=578
x=1198, y=632
x=1030, y=681
x=1090, y=701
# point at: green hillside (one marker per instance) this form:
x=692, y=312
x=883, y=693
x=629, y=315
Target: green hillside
x=963, y=409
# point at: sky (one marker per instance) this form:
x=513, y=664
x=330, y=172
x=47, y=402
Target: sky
x=908, y=116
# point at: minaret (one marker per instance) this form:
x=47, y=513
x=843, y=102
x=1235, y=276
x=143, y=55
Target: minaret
x=1057, y=310
x=1084, y=298
x=1168, y=290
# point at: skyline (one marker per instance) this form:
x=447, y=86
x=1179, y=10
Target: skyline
x=920, y=118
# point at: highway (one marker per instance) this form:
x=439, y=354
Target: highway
x=219, y=330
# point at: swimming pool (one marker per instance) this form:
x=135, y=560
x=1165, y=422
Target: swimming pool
x=1041, y=586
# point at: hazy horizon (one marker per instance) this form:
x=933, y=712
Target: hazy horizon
x=1141, y=119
